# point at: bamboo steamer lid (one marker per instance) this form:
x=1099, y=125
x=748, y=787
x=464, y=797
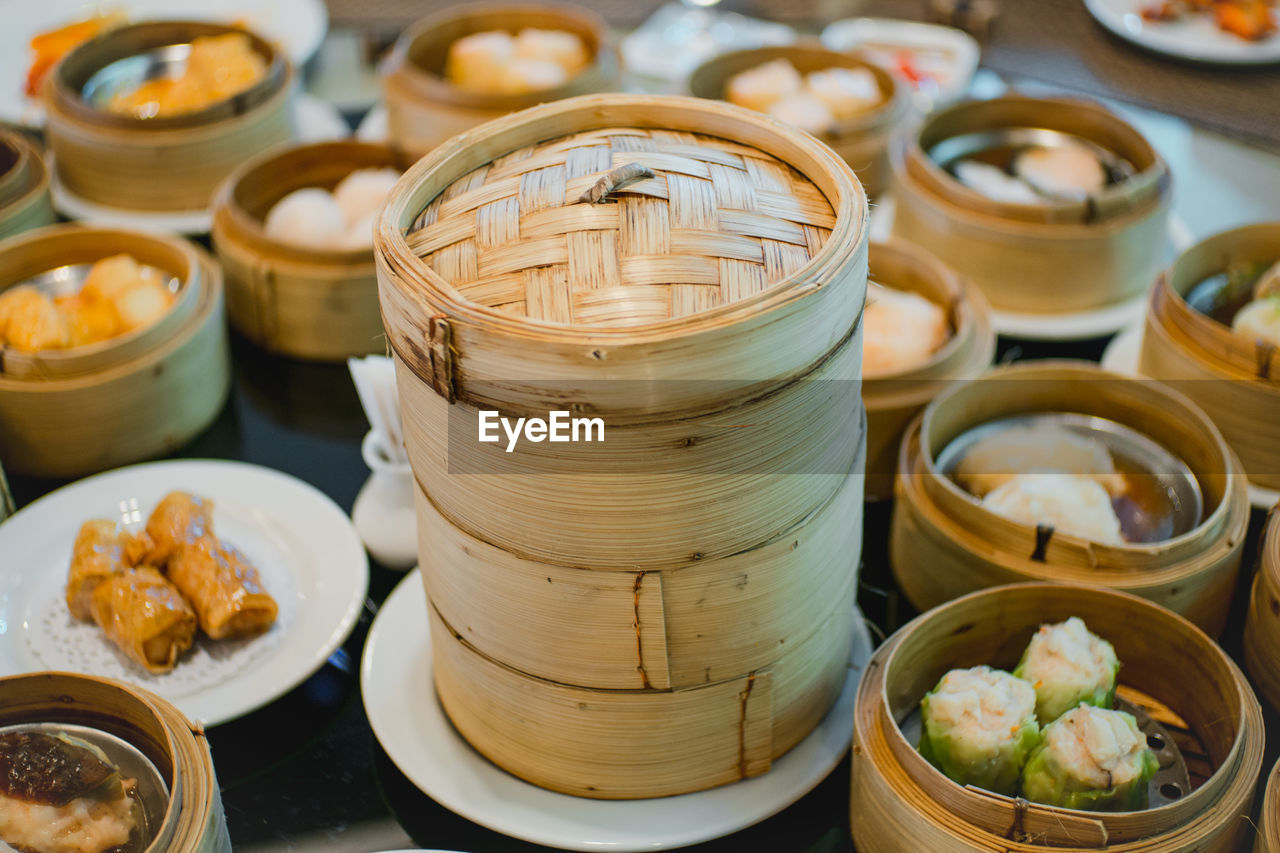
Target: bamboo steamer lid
x=943, y=543
x=24, y=186
x=863, y=140
x=194, y=821
x=1269, y=821
x=1262, y=625
x=902, y=803
x=1235, y=380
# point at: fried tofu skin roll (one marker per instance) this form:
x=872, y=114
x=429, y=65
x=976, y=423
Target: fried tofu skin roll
x=224, y=587
x=180, y=518
x=102, y=550
x=146, y=616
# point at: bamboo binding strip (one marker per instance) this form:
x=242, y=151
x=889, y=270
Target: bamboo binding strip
x=1040, y=259
x=1235, y=380
x=159, y=164
x=114, y=410
x=194, y=821
x=1269, y=821
x=1262, y=626
x=862, y=141
x=943, y=543
x=901, y=803
x=298, y=300
x=24, y=186
x=893, y=400
x=424, y=109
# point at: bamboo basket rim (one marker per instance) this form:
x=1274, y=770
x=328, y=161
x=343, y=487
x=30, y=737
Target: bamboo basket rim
x=14, y=172
x=709, y=79
x=467, y=151
x=29, y=171
x=1063, y=368
x=187, y=297
x=921, y=771
x=250, y=229
x=1121, y=201
x=96, y=53
x=1269, y=824
x=400, y=62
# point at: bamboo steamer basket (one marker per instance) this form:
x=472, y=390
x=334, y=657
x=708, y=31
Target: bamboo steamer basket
x=194, y=821
x=1262, y=625
x=1079, y=255
x=424, y=109
x=7, y=505
x=114, y=403
x=1269, y=821
x=944, y=544
x=171, y=163
x=863, y=141
x=24, y=186
x=298, y=300
x=902, y=803
x=894, y=399
x=1235, y=380
x=679, y=478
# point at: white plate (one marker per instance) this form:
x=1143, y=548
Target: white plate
x=1195, y=37
x=1122, y=356
x=400, y=700
x=315, y=121
x=880, y=34
x=298, y=26
x=302, y=543
x=1077, y=326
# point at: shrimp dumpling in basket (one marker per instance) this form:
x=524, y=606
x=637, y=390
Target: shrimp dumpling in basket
x=1067, y=170
x=761, y=87
x=1003, y=455
x=901, y=330
x=1067, y=502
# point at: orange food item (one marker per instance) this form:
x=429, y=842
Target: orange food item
x=217, y=68
x=1248, y=19
x=51, y=46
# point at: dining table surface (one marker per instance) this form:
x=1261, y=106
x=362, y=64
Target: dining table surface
x=307, y=773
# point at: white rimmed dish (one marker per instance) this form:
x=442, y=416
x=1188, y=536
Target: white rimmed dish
x=1196, y=37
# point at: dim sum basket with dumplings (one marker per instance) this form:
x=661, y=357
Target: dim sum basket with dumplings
x=193, y=821
x=424, y=108
x=162, y=163
x=1269, y=820
x=863, y=141
x=893, y=400
x=24, y=186
x=70, y=412
x=1234, y=379
x=291, y=299
x=1171, y=671
x=944, y=543
x=1056, y=256
x=669, y=609
x=1262, y=626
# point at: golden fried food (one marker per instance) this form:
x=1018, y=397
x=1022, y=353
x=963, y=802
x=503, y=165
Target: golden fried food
x=102, y=550
x=224, y=588
x=145, y=616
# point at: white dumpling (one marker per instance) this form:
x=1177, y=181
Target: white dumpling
x=359, y=235
x=761, y=87
x=520, y=76
x=1068, y=170
x=803, y=111
x=363, y=192
x=900, y=330
x=1259, y=321
x=994, y=460
x=478, y=61
x=995, y=183
x=1068, y=502
x=306, y=217
x=563, y=48
x=845, y=91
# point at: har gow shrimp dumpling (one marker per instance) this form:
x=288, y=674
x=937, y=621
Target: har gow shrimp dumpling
x=1068, y=502
x=497, y=63
x=901, y=330
x=306, y=217
x=315, y=218
x=1065, y=170
x=998, y=458
x=761, y=87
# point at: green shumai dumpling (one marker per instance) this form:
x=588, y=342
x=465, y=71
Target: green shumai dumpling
x=1067, y=665
x=979, y=726
x=1091, y=758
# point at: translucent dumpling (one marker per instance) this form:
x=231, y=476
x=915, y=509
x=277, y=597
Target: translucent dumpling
x=1067, y=502
x=999, y=457
x=760, y=87
x=901, y=330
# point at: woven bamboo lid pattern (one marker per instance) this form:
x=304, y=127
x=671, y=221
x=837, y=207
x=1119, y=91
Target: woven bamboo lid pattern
x=622, y=227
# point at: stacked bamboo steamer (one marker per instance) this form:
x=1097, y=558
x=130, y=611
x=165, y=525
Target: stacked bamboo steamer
x=893, y=400
x=1235, y=380
x=194, y=821
x=1262, y=626
x=298, y=300
x=66, y=413
x=862, y=141
x=163, y=163
x=24, y=186
x=902, y=803
x=1269, y=821
x=424, y=109
x=1054, y=257
x=943, y=543
x=671, y=608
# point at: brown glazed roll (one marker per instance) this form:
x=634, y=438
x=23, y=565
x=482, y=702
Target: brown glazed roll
x=224, y=587
x=178, y=519
x=102, y=549
x=145, y=616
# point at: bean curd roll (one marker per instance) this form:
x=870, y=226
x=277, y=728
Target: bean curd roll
x=179, y=518
x=979, y=727
x=1067, y=665
x=145, y=616
x=102, y=549
x=1091, y=758
x=224, y=588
